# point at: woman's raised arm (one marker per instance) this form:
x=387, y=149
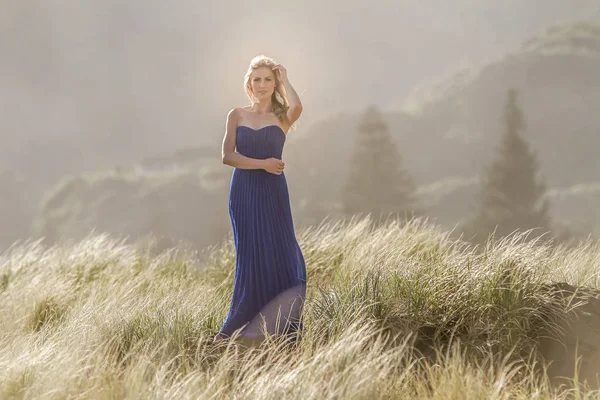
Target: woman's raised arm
x=295, y=109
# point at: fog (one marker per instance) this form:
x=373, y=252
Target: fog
x=90, y=87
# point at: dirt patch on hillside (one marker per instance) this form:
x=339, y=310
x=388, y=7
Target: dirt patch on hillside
x=578, y=337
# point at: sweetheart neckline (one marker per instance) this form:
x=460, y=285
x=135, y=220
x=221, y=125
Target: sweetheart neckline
x=267, y=126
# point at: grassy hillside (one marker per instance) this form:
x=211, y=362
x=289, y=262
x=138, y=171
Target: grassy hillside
x=391, y=312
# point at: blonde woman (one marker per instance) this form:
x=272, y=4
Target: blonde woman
x=270, y=276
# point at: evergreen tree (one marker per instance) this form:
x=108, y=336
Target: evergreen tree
x=511, y=195
x=376, y=183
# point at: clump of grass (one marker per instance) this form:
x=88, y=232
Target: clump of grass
x=435, y=288
x=46, y=312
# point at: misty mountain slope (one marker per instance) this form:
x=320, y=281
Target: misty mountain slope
x=451, y=136
x=557, y=78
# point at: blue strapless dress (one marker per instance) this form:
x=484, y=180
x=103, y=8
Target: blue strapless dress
x=270, y=276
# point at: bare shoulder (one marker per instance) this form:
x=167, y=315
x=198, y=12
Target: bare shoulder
x=243, y=110
x=240, y=112
x=234, y=112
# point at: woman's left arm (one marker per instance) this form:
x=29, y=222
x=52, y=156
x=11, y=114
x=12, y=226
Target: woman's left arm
x=295, y=109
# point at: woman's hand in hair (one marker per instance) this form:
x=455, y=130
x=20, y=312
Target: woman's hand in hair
x=281, y=73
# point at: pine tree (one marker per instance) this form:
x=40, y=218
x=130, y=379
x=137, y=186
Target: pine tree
x=512, y=196
x=376, y=183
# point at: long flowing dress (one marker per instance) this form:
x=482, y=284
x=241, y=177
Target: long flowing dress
x=270, y=276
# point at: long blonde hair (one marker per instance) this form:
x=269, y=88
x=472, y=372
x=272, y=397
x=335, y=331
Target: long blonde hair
x=279, y=97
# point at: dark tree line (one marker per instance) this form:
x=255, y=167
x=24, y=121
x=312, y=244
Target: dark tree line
x=377, y=182
x=512, y=195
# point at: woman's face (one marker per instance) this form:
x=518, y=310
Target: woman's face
x=262, y=82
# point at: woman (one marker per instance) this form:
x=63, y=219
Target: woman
x=270, y=277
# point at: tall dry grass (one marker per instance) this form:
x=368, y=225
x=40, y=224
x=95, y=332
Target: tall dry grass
x=392, y=311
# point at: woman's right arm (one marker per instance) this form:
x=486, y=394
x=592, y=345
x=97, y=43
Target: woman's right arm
x=228, y=153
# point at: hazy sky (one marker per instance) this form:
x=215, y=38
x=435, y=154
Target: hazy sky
x=115, y=81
